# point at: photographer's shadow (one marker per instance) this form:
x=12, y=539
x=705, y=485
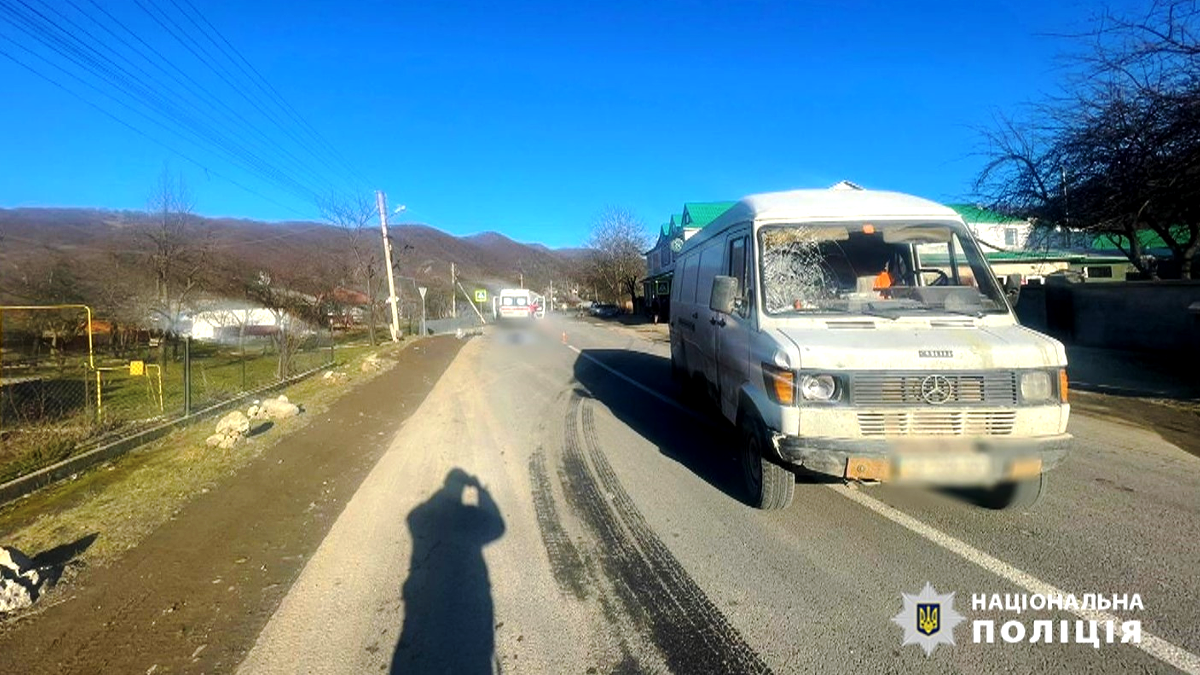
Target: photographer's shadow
x=448, y=616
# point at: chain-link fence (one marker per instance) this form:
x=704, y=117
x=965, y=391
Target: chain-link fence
x=47, y=385
x=64, y=389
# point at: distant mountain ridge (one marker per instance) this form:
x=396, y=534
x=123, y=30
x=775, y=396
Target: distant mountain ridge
x=422, y=252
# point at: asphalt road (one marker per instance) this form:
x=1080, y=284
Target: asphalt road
x=552, y=508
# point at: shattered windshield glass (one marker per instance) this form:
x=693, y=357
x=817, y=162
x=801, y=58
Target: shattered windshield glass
x=889, y=269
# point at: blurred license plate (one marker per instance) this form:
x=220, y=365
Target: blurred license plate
x=936, y=468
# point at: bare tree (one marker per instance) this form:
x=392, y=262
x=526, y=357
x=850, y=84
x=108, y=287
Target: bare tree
x=1120, y=154
x=178, y=252
x=618, y=241
x=354, y=215
x=289, y=296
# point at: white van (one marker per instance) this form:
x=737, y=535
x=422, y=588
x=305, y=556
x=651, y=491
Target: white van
x=861, y=334
x=513, y=304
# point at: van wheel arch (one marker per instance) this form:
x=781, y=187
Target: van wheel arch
x=768, y=484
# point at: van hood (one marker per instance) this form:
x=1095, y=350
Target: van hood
x=924, y=348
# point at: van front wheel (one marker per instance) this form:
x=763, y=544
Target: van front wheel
x=768, y=485
x=1023, y=495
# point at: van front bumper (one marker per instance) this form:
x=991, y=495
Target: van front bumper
x=926, y=460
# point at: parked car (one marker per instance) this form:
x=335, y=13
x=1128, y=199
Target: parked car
x=605, y=311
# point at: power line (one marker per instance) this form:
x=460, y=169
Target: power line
x=131, y=127
x=277, y=97
x=59, y=41
x=273, y=96
x=176, y=31
x=158, y=84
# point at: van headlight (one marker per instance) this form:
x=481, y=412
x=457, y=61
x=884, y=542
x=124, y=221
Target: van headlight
x=818, y=388
x=1036, y=387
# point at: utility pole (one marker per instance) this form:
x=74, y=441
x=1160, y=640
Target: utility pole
x=381, y=201
x=550, y=301
x=453, y=295
x=521, y=275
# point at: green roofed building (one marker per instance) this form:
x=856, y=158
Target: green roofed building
x=660, y=260
x=698, y=214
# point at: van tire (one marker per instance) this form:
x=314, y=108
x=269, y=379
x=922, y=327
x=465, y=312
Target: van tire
x=1022, y=495
x=768, y=485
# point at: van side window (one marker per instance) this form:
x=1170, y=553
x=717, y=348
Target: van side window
x=738, y=270
x=687, y=288
x=711, y=259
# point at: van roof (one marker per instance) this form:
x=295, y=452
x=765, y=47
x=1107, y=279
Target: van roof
x=803, y=205
x=836, y=203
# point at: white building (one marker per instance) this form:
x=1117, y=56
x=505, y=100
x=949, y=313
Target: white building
x=227, y=322
x=995, y=232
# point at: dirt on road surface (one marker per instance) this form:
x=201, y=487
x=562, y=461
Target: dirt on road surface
x=194, y=595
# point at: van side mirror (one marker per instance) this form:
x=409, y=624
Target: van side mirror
x=724, y=295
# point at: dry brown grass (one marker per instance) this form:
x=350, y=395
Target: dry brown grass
x=128, y=498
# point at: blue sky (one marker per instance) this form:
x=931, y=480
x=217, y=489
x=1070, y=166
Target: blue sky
x=528, y=118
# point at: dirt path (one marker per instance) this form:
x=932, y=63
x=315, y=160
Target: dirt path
x=195, y=594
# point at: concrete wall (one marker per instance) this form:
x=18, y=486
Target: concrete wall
x=1138, y=316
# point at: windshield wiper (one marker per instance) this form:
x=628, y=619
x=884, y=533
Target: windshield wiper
x=977, y=314
x=843, y=310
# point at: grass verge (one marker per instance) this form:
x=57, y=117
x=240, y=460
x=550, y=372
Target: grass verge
x=126, y=499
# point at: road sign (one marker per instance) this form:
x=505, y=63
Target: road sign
x=480, y=295
x=421, y=290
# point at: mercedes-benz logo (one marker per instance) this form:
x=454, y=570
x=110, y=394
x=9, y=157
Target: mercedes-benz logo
x=936, y=389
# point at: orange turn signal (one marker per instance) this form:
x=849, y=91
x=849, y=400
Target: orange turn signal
x=1062, y=385
x=781, y=384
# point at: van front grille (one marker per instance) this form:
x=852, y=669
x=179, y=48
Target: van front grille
x=937, y=423
x=996, y=388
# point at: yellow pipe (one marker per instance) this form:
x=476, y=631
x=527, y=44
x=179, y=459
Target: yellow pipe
x=158, y=369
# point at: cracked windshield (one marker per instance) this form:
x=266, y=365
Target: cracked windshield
x=685, y=337
x=864, y=267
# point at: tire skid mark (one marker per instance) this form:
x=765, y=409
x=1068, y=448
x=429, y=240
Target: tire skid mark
x=584, y=496
x=565, y=562
x=688, y=630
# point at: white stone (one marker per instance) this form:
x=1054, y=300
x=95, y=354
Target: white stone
x=371, y=363
x=235, y=423
x=14, y=594
x=19, y=580
x=228, y=442
x=280, y=408
x=12, y=558
x=214, y=440
x=283, y=399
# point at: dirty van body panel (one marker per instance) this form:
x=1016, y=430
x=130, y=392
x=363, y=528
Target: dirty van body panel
x=693, y=337
x=682, y=324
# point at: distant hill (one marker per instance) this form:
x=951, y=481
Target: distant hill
x=92, y=237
